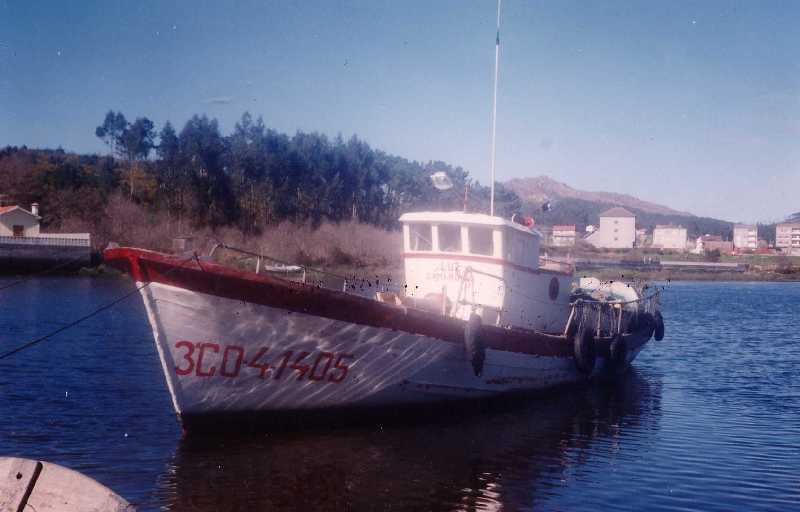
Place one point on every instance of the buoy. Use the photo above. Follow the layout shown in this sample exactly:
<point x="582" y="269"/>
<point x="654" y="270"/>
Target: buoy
<point x="618" y="353"/>
<point x="584" y="351"/>
<point x="658" y="332"/>
<point x="475" y="349"/>
<point x="35" y="485"/>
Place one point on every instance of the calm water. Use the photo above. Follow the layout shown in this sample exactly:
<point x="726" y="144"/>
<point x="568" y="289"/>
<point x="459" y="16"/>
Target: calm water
<point x="708" y="420"/>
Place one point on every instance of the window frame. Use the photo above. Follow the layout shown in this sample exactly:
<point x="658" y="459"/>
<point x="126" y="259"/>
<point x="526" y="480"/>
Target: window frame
<point x="438" y="237"/>
<point x="490" y="230"/>
<point x="411" y="238"/>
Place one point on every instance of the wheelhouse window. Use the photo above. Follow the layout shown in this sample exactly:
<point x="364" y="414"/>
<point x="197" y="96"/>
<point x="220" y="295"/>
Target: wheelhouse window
<point x="19" y="230"/>
<point x="520" y="249"/>
<point x="481" y="241"/>
<point x="449" y="238"/>
<point x="420" y="237"/>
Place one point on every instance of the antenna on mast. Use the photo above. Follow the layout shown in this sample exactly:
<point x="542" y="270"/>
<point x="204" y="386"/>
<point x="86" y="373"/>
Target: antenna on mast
<point x="494" y="105"/>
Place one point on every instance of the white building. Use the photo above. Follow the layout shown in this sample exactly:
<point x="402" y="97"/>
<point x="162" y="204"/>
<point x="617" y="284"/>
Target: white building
<point x="787" y="237"/>
<point x="617" y="230"/>
<point x="669" y="236"/>
<point x="19" y="222"/>
<point x="24" y="247"/>
<point x="745" y="236"/>
<point x="564" y="235"/>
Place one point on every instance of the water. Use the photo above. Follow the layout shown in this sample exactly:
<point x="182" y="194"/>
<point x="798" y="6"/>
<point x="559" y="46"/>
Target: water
<point x="708" y="420"/>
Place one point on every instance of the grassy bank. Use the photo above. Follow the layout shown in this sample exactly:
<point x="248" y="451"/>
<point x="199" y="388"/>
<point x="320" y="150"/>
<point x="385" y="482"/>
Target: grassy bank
<point x="684" y="275"/>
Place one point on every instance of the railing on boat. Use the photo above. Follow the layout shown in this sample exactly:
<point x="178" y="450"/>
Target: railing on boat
<point x="609" y="315"/>
<point x="277" y="266"/>
<point x="614" y="316"/>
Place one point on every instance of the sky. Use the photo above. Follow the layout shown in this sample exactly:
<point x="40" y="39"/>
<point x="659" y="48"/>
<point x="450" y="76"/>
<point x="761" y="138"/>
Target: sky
<point x="695" y="105"/>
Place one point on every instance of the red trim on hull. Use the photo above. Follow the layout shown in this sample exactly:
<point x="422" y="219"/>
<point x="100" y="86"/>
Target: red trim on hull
<point x="214" y="279"/>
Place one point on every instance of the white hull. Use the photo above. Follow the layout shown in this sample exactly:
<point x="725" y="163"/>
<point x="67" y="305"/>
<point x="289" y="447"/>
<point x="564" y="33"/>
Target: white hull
<point x="221" y="355"/>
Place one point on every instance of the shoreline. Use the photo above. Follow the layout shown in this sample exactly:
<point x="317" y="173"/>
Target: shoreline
<point x="370" y="272"/>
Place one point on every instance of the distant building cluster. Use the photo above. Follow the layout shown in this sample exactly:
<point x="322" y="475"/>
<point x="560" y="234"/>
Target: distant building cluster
<point x="617" y="230"/>
<point x="712" y="243"/>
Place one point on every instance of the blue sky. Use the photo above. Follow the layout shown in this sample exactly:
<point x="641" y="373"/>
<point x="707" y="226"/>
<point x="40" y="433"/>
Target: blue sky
<point x="695" y="105"/>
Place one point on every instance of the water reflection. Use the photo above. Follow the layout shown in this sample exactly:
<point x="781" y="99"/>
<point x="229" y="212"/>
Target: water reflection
<point x="514" y="456"/>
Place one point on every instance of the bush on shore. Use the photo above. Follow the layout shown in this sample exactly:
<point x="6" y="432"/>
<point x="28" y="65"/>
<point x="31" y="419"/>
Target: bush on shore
<point x="344" y="245"/>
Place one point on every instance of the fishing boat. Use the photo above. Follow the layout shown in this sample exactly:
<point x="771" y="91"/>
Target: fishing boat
<point x="480" y="314"/>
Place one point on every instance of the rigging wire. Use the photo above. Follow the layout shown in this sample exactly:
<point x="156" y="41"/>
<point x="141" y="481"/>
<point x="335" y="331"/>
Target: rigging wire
<point x="97" y="311"/>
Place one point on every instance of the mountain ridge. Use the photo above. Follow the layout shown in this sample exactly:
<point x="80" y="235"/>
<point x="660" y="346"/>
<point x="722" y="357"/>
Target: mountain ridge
<point x="540" y="189"/>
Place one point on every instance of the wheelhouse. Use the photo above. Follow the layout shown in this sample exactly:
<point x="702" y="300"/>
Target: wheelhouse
<point x="470" y="236"/>
<point x="474" y="263"/>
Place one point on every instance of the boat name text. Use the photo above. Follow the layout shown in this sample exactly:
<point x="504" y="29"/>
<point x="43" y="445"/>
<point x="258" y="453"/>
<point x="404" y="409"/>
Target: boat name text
<point x="206" y="359"/>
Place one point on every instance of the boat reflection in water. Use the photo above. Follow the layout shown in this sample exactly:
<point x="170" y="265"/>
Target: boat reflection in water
<point x="514" y="456"/>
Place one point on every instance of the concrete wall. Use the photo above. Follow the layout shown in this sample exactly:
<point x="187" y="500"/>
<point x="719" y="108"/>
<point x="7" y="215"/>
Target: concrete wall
<point x="614" y="233"/>
<point x="31" y="258"/>
<point x="19" y="218"/>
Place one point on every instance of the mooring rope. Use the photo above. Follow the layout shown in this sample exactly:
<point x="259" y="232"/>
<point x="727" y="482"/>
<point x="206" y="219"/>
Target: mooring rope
<point x="97" y="311"/>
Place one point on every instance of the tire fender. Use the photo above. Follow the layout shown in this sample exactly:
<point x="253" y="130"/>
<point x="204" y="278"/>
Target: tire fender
<point x="584" y="350"/>
<point x="658" y="332"/>
<point x="475" y="349"/>
<point x="618" y="353"/>
<point x="647" y="319"/>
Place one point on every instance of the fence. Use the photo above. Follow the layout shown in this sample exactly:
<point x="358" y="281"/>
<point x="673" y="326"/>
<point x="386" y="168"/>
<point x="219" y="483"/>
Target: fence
<point x="55" y="240"/>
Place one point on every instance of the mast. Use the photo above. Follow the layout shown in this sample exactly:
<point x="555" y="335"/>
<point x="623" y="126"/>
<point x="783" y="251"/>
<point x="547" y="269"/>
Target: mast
<point x="494" y="105"/>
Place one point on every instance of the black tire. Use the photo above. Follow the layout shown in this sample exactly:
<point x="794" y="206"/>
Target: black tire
<point x="647" y="321"/>
<point x="476" y="351"/>
<point x="584" y="350"/>
<point x="618" y="357"/>
<point x="658" y="331"/>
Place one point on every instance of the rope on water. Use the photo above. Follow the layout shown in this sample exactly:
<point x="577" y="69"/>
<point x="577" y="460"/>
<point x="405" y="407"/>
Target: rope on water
<point x="97" y="311"/>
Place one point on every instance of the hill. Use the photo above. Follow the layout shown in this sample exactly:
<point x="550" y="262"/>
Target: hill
<point x="582" y="213"/>
<point x="572" y="206"/>
<point x="543" y="188"/>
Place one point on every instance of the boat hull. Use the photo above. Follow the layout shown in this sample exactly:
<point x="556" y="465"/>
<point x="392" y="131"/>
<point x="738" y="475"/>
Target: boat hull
<point x="233" y="342"/>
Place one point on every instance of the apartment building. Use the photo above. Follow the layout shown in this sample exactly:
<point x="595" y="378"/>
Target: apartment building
<point x="787" y="237"/>
<point x="669" y="236"/>
<point x="745" y="237"/>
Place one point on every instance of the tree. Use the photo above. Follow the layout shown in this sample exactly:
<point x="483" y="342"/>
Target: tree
<point x="111" y="130"/>
<point x="203" y="150"/>
<point x="132" y="141"/>
<point x="171" y="179"/>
